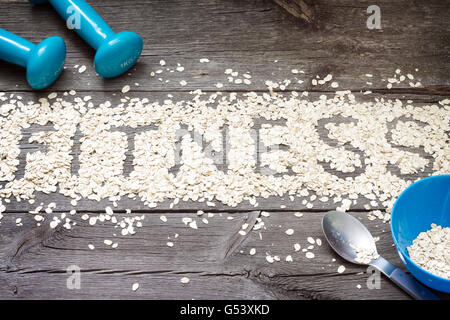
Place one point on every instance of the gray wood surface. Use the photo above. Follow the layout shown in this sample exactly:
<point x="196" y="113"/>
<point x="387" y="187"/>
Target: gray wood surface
<point x="215" y="257"/>
<point x="245" y="36"/>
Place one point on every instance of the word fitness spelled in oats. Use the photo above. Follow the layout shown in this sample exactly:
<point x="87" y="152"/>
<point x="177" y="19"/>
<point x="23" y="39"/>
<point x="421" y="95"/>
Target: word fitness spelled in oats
<point x="226" y="147"/>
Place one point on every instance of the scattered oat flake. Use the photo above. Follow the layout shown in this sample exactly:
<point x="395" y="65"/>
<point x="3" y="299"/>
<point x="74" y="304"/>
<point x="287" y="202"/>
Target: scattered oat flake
<point x="185" y="280"/>
<point x="126" y="88"/>
<point x="289" y="232"/>
<point x="193" y="224"/>
<point x="135" y="286"/>
<point x="54" y="224"/>
<point x="341" y="269"/>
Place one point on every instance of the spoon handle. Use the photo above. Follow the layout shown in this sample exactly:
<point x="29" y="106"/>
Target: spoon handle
<point x="412" y="286"/>
<point x="404" y="281"/>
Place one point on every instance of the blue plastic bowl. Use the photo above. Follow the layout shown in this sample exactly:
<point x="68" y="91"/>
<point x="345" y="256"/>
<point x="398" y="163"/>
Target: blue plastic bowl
<point x="424" y="202"/>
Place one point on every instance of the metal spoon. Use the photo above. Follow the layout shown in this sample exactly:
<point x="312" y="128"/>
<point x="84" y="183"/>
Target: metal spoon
<point x="344" y="232"/>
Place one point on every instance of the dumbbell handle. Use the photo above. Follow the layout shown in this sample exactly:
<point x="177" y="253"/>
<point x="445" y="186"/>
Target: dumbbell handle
<point x="94" y="30"/>
<point x="14" y="49"/>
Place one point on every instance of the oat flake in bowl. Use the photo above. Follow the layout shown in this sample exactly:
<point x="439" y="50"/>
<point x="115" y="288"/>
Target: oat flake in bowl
<point x="431" y="251"/>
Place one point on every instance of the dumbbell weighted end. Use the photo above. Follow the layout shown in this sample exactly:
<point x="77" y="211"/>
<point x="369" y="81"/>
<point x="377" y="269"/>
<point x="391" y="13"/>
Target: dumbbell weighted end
<point x="44" y="62"/>
<point x="116" y="53"/>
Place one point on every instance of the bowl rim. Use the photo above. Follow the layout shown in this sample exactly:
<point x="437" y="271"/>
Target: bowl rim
<point x="397" y="246"/>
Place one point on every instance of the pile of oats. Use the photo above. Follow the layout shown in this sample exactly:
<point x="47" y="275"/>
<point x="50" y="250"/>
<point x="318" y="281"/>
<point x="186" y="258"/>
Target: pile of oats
<point x="379" y="129"/>
<point x="431" y="251"/>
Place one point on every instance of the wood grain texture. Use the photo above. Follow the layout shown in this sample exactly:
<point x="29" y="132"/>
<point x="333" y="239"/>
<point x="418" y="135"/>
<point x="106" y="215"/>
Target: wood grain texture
<point x="247" y="36"/>
<point x="217" y="268"/>
<point x="298" y="8"/>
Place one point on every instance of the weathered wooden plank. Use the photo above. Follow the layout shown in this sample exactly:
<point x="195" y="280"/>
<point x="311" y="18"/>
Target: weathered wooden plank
<point x="247" y="36"/>
<point x="250" y="36"/>
<point x="298" y="8"/>
<point x="349" y="74"/>
<point x="39" y="269"/>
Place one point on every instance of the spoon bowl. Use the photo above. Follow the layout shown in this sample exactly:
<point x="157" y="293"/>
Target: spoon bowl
<point x="343" y="232"/>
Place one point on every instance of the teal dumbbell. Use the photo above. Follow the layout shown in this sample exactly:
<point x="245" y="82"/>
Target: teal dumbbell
<point x="44" y="62"/>
<point x="116" y="53"/>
